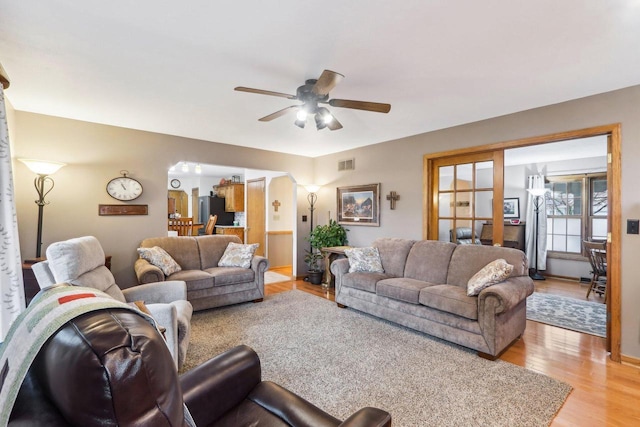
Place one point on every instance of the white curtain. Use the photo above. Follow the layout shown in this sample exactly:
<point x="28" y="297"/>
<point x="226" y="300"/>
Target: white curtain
<point x="12" y="300"/>
<point x="536" y="181"/>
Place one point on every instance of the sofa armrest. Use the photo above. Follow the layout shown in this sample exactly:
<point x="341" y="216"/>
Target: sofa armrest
<point x="508" y="294"/>
<point x="147" y="272"/>
<point x="339" y="268"/>
<point x="166" y="316"/>
<point x="259" y="264"/>
<point x="157" y="293"/>
<point x="216" y="386"/>
<point x="368" y="417"/>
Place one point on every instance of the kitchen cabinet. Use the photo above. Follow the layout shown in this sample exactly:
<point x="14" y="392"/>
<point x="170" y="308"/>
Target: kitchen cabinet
<point x="233" y="196"/>
<point x="231" y="231"/>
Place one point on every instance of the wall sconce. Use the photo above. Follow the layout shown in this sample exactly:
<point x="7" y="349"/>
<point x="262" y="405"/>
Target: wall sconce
<point x="43" y="169"/>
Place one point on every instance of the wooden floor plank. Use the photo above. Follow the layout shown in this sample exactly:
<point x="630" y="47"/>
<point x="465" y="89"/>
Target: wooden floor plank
<point x="605" y="393"/>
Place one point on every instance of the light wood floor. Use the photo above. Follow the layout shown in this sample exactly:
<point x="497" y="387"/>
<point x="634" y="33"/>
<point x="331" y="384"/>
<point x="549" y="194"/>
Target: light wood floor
<point x="605" y="393"/>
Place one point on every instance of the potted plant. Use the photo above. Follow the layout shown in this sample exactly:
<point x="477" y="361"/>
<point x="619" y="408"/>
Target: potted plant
<point x="313" y="259"/>
<point x="326" y="236"/>
<point x="323" y="236"/>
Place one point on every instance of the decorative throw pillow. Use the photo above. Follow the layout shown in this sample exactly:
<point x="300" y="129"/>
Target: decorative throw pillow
<point x="492" y="273"/>
<point x="364" y="260"/>
<point x="160" y="258"/>
<point x="238" y="255"/>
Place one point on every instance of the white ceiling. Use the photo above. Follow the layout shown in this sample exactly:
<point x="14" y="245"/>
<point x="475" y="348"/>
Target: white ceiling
<point x="171" y="67"/>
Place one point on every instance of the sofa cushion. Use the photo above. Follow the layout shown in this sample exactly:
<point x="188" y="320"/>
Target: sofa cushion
<point x="393" y="254"/>
<point x="495" y="272"/>
<point x="429" y="260"/>
<point x="467" y="260"/>
<point x="401" y="288"/>
<point x="238" y="255"/>
<point x="183" y="249"/>
<point x="364" y="259"/>
<point x="195" y="279"/>
<point x="449" y="298"/>
<point x="363" y="281"/>
<point x="212" y="247"/>
<point x="230" y="275"/>
<point x="160" y="258"/>
<point x="80" y="262"/>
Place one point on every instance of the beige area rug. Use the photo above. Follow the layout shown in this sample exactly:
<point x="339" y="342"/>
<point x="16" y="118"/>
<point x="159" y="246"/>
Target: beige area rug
<point x="273" y="277"/>
<point x="342" y="360"/>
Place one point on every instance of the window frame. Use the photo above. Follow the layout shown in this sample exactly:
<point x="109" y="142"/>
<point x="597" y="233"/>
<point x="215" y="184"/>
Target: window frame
<point x="586" y="216"/>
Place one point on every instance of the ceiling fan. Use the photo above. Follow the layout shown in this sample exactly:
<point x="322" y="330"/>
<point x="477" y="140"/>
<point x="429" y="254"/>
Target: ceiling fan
<point x="312" y="93"/>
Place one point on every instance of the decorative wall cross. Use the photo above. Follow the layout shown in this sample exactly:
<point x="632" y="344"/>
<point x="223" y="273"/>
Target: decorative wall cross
<point x="276" y="205"/>
<point x="393" y="197"/>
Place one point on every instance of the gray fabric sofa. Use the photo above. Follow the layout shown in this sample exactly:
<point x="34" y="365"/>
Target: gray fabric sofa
<point x="424" y="287"/>
<point x="208" y="285"/>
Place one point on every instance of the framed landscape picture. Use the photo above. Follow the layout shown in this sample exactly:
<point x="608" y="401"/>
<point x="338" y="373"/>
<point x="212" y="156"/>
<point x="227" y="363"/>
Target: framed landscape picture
<point x="511" y="208"/>
<point x="359" y="205"/>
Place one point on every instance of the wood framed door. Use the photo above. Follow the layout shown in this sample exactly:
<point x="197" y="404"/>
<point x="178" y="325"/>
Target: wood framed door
<point x="466" y="192"/>
<point x="182" y="201"/>
<point x="256" y="213"/>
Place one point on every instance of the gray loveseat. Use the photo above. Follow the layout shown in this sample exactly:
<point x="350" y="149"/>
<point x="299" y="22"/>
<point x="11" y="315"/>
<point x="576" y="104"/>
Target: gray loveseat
<point x="424" y="287"/>
<point x="208" y="285"/>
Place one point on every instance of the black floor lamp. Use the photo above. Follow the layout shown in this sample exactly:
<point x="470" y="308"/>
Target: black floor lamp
<point x="538" y="203"/>
<point x="43" y="169"/>
<point x="312" y="197"/>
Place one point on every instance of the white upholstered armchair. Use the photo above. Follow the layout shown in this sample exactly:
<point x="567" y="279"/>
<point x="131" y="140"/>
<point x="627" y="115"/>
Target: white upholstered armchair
<point x="81" y="262"/>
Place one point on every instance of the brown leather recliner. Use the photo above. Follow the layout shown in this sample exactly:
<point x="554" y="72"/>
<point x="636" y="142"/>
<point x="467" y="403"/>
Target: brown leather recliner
<point x="111" y="367"/>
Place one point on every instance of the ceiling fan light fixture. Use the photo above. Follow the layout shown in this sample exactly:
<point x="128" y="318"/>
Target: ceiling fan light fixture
<point x="301" y="115"/>
<point x="320" y="123"/>
<point x="325" y="115"/>
<point x="300" y="123"/>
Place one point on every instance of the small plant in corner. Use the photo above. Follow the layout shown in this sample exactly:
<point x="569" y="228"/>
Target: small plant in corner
<point x="313" y="260"/>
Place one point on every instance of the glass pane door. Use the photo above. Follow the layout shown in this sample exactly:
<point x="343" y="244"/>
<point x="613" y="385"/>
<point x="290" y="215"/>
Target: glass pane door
<point x="466" y="190"/>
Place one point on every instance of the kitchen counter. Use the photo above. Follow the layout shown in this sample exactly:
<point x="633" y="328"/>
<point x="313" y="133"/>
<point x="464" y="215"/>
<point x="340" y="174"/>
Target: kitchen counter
<point x="237" y="230"/>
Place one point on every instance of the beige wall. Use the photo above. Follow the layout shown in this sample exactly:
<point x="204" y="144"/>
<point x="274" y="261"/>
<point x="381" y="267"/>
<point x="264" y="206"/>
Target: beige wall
<point x="97" y="153"/>
<point x="398" y="166"/>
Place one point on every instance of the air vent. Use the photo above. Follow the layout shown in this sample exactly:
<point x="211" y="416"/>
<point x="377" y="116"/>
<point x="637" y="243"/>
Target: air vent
<point x="346" y="165"/>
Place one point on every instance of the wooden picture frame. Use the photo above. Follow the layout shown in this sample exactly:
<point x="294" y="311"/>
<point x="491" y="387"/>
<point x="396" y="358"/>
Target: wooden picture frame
<point x="106" y="210"/>
<point x="511" y="208"/>
<point x="359" y="205"/>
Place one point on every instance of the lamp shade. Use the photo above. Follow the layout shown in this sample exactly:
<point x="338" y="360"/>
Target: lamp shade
<point x="537" y="192"/>
<point x="311" y="188"/>
<point x="42" y="167"/>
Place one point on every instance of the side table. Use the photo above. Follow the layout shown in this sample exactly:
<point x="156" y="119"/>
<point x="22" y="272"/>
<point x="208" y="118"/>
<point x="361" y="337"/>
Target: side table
<point x="331" y="254"/>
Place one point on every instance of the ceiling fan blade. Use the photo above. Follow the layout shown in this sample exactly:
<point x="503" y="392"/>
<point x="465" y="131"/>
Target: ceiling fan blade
<point x="361" y="105"/>
<point x="327" y="81"/>
<point x="278" y="113"/>
<point x="334" y="124"/>
<point x="264" y="92"/>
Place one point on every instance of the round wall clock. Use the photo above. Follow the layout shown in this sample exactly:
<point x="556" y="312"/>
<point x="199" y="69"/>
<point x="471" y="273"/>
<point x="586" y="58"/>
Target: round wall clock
<point x="124" y="188"/>
<point x="175" y="183"/>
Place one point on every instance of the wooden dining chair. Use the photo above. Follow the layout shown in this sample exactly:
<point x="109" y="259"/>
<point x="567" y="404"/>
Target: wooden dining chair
<point x="184" y="226"/>
<point x="211" y="224"/>
<point x="597" y="254"/>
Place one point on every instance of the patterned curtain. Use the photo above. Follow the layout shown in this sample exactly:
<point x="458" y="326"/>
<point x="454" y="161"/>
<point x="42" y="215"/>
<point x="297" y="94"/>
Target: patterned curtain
<point x="12" y="300"/>
<point x="536" y="181"/>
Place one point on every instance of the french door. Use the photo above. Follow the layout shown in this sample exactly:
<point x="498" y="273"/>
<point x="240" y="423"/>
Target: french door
<point x="466" y="193"/>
